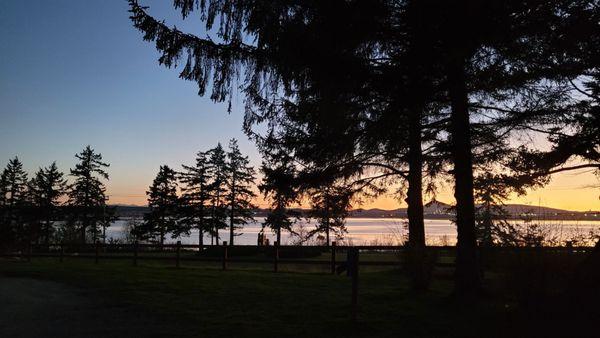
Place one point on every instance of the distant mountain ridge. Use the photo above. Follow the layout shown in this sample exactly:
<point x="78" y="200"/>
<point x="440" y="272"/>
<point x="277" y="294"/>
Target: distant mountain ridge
<point x="432" y="210"/>
<point x="440" y="210"/>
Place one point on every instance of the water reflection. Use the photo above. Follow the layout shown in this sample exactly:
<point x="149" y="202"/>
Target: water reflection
<point x="368" y="231"/>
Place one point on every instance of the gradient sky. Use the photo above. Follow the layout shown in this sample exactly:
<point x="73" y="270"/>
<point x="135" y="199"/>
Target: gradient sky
<point x="74" y="73"/>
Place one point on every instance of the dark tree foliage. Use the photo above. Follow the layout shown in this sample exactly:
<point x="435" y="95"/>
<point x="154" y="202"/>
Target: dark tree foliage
<point x="13" y="199"/>
<point x="330" y="206"/>
<point x="279" y="186"/>
<point x="326" y="84"/>
<point x="493" y="54"/>
<point x="196" y="196"/>
<point x="46" y="189"/>
<point x="462" y="76"/>
<point x="163" y="203"/>
<point x="87" y="195"/>
<point x="108" y="217"/>
<point x="490" y="194"/>
<point x="217" y="218"/>
<point x="570" y="125"/>
<point x="240" y="180"/>
<point x="574" y="140"/>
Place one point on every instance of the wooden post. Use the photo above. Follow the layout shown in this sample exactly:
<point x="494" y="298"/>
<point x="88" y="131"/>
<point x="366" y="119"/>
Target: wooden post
<point x="62" y="252"/>
<point x="353" y="271"/>
<point x="333" y="244"/>
<point x="178" y="254"/>
<point x="225" y="255"/>
<point x="97" y="250"/>
<point x="135" y="253"/>
<point x="276" y="258"/>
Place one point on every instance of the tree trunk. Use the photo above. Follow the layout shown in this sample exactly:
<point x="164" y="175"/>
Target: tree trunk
<point x="327" y="232"/>
<point x="414" y="199"/>
<point x="231" y="235"/>
<point x="231" y="219"/>
<point x="467" y="271"/>
<point x="200" y="238"/>
<point x="279" y="234"/>
<point x="201" y="228"/>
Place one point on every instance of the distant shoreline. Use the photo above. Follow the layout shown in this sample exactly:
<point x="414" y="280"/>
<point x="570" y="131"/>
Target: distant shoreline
<point x="436" y="211"/>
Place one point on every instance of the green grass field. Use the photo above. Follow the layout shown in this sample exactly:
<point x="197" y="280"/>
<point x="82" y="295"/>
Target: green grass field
<point x="157" y="298"/>
<point x="207" y="302"/>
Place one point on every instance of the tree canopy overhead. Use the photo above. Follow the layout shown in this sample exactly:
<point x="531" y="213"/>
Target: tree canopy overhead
<point x="370" y="91"/>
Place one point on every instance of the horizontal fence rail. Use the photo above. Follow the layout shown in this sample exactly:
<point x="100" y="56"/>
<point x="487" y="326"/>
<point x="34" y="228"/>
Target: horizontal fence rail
<point x="274" y="254"/>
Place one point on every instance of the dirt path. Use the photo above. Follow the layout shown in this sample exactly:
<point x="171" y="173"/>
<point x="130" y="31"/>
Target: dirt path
<point x="37" y="308"/>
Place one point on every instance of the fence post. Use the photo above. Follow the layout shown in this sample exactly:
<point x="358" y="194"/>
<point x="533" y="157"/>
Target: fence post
<point x="62" y="252"/>
<point x="225" y="255"/>
<point x="135" y="253"/>
<point x="97" y="250"/>
<point x="276" y="257"/>
<point x="178" y="254"/>
<point x="333" y="244"/>
<point x="353" y="271"/>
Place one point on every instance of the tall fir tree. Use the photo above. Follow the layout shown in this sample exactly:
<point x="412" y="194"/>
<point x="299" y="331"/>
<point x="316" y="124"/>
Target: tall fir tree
<point x="218" y="187"/>
<point x="163" y="203"/>
<point x="347" y="97"/>
<point x="330" y="206"/>
<point x="196" y="196"/>
<point x="14" y="198"/>
<point x="279" y="185"/>
<point x="240" y="179"/>
<point x="46" y="189"/>
<point x="472" y="52"/>
<point x="87" y="195"/>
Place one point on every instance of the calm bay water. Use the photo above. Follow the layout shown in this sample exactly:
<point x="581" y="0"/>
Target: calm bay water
<point x="373" y="231"/>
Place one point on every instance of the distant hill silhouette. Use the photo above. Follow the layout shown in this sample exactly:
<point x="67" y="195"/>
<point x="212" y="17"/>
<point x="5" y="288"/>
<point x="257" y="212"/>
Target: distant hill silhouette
<point x="432" y="210"/>
<point x="440" y="210"/>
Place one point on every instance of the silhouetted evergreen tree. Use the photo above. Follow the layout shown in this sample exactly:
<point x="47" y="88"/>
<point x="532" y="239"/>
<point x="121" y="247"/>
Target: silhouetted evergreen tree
<point x="329" y="83"/>
<point x="108" y="217"/>
<point x="508" y="52"/>
<point x="218" y="204"/>
<point x="469" y="58"/>
<point x="279" y="185"/>
<point x="14" y="200"/>
<point x="87" y="195"/>
<point x="330" y="206"/>
<point x="240" y="179"/>
<point x="46" y="189"/>
<point x="196" y="195"/>
<point x="163" y="204"/>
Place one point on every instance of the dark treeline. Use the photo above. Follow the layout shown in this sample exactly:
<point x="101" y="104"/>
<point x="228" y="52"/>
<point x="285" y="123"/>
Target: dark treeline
<point x="47" y="208"/>
<point x="360" y="97"/>
<point x="217" y="194"/>
<point x="213" y="195"/>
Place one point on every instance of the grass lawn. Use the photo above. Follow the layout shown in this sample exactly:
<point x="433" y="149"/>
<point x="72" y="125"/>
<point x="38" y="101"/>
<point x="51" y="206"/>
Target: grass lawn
<point x="199" y="301"/>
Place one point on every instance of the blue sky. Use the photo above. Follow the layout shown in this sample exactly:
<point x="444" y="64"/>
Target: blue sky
<point x="74" y="73"/>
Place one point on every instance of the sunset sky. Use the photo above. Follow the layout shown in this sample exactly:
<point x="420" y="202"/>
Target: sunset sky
<point x="74" y="73"/>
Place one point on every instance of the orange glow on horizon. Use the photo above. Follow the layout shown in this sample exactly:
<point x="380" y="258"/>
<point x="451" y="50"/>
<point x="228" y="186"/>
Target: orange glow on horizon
<point x="576" y="191"/>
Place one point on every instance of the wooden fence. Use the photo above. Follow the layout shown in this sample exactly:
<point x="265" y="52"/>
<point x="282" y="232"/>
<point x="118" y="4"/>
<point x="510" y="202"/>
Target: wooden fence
<point x="223" y="253"/>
